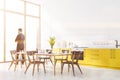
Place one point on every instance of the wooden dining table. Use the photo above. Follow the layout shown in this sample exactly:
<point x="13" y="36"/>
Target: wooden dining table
<point x="54" y="55"/>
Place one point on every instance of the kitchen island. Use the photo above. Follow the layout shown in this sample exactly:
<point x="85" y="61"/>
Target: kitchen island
<point x="103" y="57"/>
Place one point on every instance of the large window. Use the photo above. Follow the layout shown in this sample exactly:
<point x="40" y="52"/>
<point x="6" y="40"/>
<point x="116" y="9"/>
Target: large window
<point x="13" y="22"/>
<point x="1" y="4"/>
<point x="31" y="29"/>
<point x="34" y="11"/>
<point x="15" y="5"/>
<point x="18" y="14"/>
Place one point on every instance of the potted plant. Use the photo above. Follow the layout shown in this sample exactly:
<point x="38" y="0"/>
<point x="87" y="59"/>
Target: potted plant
<point x="52" y="42"/>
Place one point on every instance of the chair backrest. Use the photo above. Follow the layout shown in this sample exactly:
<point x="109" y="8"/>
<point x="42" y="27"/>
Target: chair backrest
<point x="76" y="55"/>
<point x="30" y="55"/>
<point x="65" y="51"/>
<point x="12" y="52"/>
<point x="49" y="51"/>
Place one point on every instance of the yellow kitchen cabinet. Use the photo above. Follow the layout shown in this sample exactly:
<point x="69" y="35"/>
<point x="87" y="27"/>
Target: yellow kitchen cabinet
<point x="115" y="58"/>
<point x="105" y="57"/>
<point x="93" y="56"/>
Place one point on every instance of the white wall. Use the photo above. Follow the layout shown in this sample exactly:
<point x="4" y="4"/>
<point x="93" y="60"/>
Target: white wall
<point x="80" y="20"/>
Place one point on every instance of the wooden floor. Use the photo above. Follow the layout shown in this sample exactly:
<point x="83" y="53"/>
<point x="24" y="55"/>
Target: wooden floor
<point x="90" y="73"/>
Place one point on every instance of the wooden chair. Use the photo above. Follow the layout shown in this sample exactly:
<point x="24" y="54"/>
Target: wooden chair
<point x="75" y="56"/>
<point x="15" y="60"/>
<point x="62" y="57"/>
<point x="32" y="60"/>
<point x="45" y="58"/>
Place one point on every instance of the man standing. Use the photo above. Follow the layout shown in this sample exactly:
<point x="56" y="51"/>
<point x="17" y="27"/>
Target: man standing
<point x="20" y="43"/>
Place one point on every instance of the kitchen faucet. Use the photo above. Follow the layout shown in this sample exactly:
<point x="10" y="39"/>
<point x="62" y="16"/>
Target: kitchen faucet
<point x="116" y="41"/>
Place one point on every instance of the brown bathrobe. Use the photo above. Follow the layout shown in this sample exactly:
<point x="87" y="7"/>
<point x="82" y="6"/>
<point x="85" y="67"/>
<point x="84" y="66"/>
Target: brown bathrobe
<point x="20" y="44"/>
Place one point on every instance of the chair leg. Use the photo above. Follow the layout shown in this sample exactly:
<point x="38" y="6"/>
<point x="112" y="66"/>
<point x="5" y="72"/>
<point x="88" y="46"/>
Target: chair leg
<point x="33" y="69"/>
<point x="15" y="66"/>
<point x="55" y="66"/>
<point x="27" y="68"/>
<point x="68" y="67"/>
<point x="62" y="65"/>
<point x="25" y="64"/>
<point x="51" y="61"/>
<point x="10" y="65"/>
<point x="73" y="69"/>
<point x="44" y="67"/>
<point x="55" y="62"/>
<point x="79" y="68"/>
<point x="21" y="64"/>
<point x="38" y="67"/>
